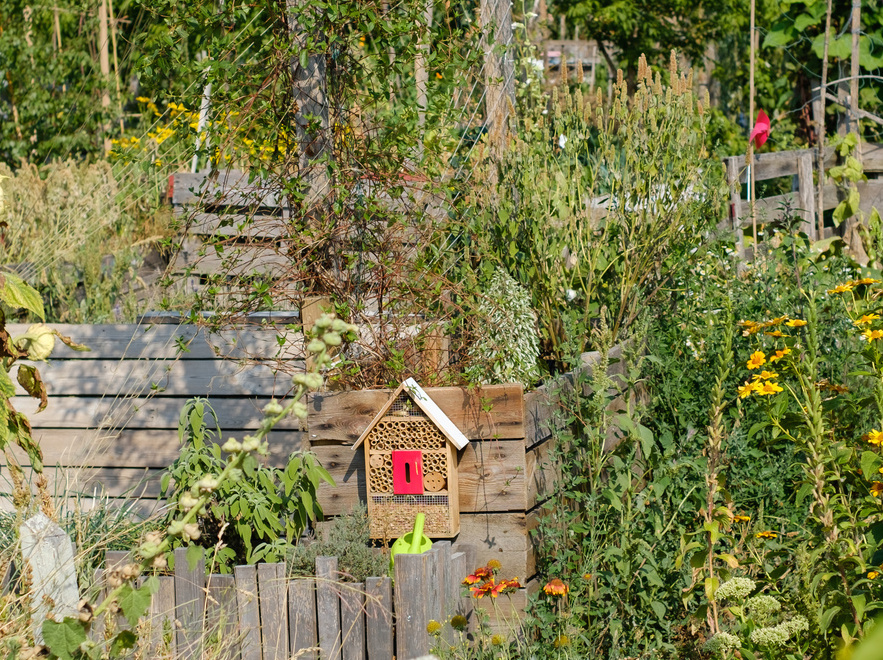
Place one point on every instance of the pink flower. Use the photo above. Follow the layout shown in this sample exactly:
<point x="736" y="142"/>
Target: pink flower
<point x="761" y="130"/>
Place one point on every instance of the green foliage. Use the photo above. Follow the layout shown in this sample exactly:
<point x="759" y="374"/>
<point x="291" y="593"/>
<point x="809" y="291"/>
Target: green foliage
<point x="507" y="348"/>
<point x="254" y="518"/>
<point x="346" y="537"/>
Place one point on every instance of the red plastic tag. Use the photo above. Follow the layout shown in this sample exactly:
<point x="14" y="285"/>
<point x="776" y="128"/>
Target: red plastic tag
<point x="407" y="472"/>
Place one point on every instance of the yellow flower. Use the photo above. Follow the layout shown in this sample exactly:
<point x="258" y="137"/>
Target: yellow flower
<point x="776" y="321"/>
<point x="459" y="622"/>
<point x="765" y="375"/>
<point x="746" y="389"/>
<point x="494" y="565"/>
<point x="796" y="323"/>
<point x="871" y="335"/>
<point x="556" y="588"/>
<point x="877" y="488"/>
<point x="780" y="354"/>
<point x="842" y="288"/>
<point x="496" y="640"/>
<point x="142" y="99"/>
<point x="866" y="319"/>
<point x="758" y="359"/>
<point x="775" y="333"/>
<point x="433" y="626"/>
<point x="872" y="574"/>
<point x="766" y="535"/>
<point x="741" y="519"/>
<point x="562" y="640"/>
<point x="768" y="388"/>
<point x="874" y="436"/>
<point x="864" y="280"/>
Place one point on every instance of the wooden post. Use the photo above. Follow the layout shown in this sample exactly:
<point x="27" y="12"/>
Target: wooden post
<point x="116" y="62"/>
<point x="104" y="63"/>
<point x="247" y="603"/>
<point x="379" y="618"/>
<point x="162" y="619"/>
<point x="189" y="603"/>
<point x="273" y="596"/>
<point x="420" y="73"/>
<point x="220" y="615"/>
<point x="499" y="69"/>
<point x="310" y="99"/>
<point x="302" y="618"/>
<point x="411" y="580"/>
<point x="854" y="72"/>
<point x="750" y="143"/>
<point x="352" y="622"/>
<point x="806" y="193"/>
<point x="328" y="607"/>
<point x="821" y="125"/>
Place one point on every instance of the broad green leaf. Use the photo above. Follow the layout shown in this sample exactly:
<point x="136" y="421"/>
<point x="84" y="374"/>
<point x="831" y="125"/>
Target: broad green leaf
<point x="870" y="463"/>
<point x="194" y="554"/>
<point x="7" y="387"/>
<point x="134" y="602"/>
<point x="732" y="562"/>
<point x="18" y="294"/>
<point x="64" y="638"/>
<point x="711" y="585"/>
<point x="827" y="617"/>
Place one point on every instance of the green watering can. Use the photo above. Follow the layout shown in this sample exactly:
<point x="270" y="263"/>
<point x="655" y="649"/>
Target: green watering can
<point x="412" y="543"/>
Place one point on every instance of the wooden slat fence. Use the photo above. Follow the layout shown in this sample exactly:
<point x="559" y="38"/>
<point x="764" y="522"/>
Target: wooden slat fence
<point x="259" y="613"/>
<point x="801" y="166"/>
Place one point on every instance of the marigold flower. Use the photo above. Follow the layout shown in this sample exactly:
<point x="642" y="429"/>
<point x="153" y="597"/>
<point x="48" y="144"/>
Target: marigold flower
<point x="866" y="319"/>
<point x="877" y="488"/>
<point x="780" y="354"/>
<point x="775" y="333"/>
<point x="765" y="375"/>
<point x="758" y="359"/>
<point x="872" y="574"/>
<point x="842" y="288"/>
<point x="556" y="588"/>
<point x="746" y="389"/>
<point x="873" y="436"/>
<point x="766" y="535"/>
<point x="768" y="388"/>
<point x="741" y="519"/>
<point x="796" y="323"/>
<point x="871" y="335"/>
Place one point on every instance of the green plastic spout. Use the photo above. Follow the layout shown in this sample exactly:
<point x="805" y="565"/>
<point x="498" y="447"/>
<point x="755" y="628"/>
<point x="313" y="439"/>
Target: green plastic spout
<point x="417" y="534"/>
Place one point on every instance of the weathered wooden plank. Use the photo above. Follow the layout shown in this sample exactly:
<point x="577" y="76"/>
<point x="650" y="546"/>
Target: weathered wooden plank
<point x="501" y="536"/>
<point x="807" y="193"/>
<point x="411" y="575"/>
<point x="352" y="621"/>
<point x="80" y="412"/>
<point x="161" y="617"/>
<point x="462" y="564"/>
<point x="491" y="477"/>
<point x="540" y="473"/>
<point x="251" y="226"/>
<point x="494" y="411"/>
<point x="221" y="615"/>
<point x="303" y="635"/>
<point x="186" y="342"/>
<point x="379" y="618"/>
<point x="230" y="188"/>
<point x="328" y="607"/>
<point x="436" y="578"/>
<point x="246" y="578"/>
<point x="189" y="603"/>
<point x="117" y="482"/>
<point x="171" y="377"/>
<point x="234" y="260"/>
<point x="446" y="578"/>
<point x="273" y="594"/>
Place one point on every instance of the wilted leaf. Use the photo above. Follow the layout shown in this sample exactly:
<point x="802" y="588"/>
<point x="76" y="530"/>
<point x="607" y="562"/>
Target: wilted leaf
<point x="29" y="378"/>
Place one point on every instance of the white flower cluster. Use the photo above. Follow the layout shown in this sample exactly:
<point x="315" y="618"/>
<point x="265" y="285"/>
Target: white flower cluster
<point x="735" y="589"/>
<point x="760" y="607"/>
<point x="721" y="643"/>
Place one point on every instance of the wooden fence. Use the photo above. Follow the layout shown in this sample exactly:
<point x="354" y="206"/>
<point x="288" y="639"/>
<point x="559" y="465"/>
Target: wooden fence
<point x="801" y="166"/>
<point x="258" y="613"/>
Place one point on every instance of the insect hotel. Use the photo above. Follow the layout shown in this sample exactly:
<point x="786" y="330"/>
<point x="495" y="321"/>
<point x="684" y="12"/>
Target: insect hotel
<point x="411" y="462"/>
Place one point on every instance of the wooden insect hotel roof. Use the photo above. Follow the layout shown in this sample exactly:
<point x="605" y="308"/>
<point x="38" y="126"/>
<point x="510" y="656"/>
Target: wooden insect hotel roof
<point x="410" y="389"/>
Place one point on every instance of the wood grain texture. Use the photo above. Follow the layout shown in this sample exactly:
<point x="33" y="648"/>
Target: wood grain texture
<point x="234" y="225"/>
<point x="154" y="413"/>
<point x="328" y="607"/>
<point x="302" y="629"/>
<point x="379" y="618"/>
<point x="161" y="617"/>
<point x="189" y="604"/>
<point x="462" y="564"/>
<point x="230" y="188"/>
<point x="170" y="377"/>
<point x="501" y="536"/>
<point x="411" y="575"/>
<point x="541" y="474"/>
<point x="221" y="614"/>
<point x="494" y="411"/>
<point x="273" y="596"/>
<point x="352" y="621"/>
<point x="195" y="257"/>
<point x="246" y="578"/>
<point x="185" y="342"/>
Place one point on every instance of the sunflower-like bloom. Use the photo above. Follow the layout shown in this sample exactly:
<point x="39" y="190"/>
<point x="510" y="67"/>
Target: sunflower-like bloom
<point x="556" y="588"/>
<point x="796" y="323"/>
<point x="757" y="360"/>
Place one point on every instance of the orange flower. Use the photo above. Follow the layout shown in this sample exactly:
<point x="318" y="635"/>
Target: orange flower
<point x="877" y="488"/>
<point x="484" y="589"/>
<point x="480" y="574"/>
<point x="505" y="587"/>
<point x="780" y="354"/>
<point x="556" y="588"/>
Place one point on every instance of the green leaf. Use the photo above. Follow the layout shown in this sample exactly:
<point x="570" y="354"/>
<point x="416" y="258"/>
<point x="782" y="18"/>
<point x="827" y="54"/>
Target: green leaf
<point x="711" y="585"/>
<point x="827" y="617"/>
<point x="804" y="21"/>
<point x="64" y="639"/>
<point x="124" y="640"/>
<point x="18" y="294"/>
<point x="7" y="387"/>
<point x="870" y="463"/>
<point x="134" y="602"/>
<point x="194" y="554"/>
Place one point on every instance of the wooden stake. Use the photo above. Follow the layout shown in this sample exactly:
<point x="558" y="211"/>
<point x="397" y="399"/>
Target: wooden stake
<point x="854" y="72"/>
<point x="57" y="30"/>
<point x="496" y="26"/>
<point x="421" y="75"/>
<point x="750" y="143"/>
<point x="116" y="63"/>
<point x="104" y="62"/>
<point x="821" y="124"/>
